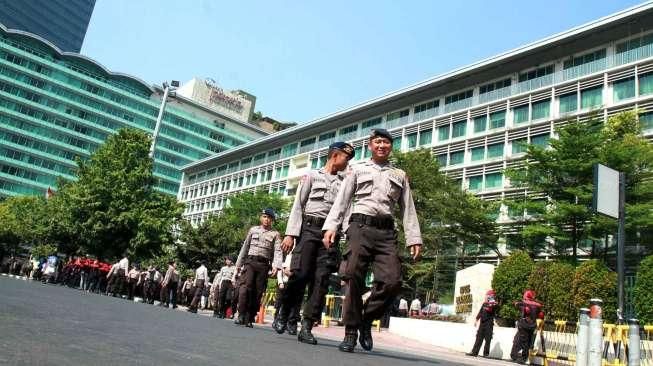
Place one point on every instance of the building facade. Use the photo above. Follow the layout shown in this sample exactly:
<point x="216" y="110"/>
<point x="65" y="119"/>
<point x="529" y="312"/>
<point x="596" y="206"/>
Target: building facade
<point x="476" y="120"/>
<point x="62" y="22"/>
<point x="56" y="107"/>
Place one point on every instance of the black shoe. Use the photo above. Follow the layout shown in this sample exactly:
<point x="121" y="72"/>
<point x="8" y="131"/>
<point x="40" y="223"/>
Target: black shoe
<point x="365" y="336"/>
<point x="305" y="335"/>
<point x="249" y="325"/>
<point x="279" y="326"/>
<point x="240" y="320"/>
<point x="194" y="311"/>
<point x="292" y="329"/>
<point x="471" y="354"/>
<point x="349" y="343"/>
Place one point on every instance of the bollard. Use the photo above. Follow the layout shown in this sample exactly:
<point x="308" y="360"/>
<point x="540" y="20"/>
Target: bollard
<point x="582" y="342"/>
<point x="595" y="342"/>
<point x="633" y="343"/>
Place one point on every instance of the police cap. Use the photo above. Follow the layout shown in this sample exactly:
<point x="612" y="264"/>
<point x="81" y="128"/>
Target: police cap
<point x="381" y="132"/>
<point x="344" y="147"/>
<point x="270" y="212"/>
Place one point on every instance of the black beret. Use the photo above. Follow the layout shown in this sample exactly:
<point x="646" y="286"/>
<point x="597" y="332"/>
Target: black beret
<point x="270" y="212"/>
<point x="381" y="132"/>
<point x="344" y="147"/>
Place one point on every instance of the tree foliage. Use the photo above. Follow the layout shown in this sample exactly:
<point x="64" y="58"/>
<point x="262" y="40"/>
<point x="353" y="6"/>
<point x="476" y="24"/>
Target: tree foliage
<point x="21" y="223"/>
<point x="510" y="281"/>
<point x="593" y="279"/>
<point x="551" y="282"/>
<point x="642" y="293"/>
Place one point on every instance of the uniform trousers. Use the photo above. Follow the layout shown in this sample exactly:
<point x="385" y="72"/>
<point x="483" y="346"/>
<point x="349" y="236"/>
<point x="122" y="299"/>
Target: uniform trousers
<point x="199" y="287"/>
<point x="221" y="296"/>
<point x="369" y="246"/>
<point x="521" y="344"/>
<point x="253" y="282"/>
<point x="484" y="333"/>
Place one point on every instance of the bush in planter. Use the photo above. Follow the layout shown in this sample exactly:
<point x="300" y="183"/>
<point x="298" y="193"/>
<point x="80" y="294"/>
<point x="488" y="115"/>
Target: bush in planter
<point x="558" y="305"/>
<point x="643" y="291"/>
<point x="593" y="279"/>
<point x="509" y="282"/>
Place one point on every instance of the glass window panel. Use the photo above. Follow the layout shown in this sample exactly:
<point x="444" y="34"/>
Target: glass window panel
<point x="540" y="140"/>
<point x="623" y="89"/>
<point x="480" y="124"/>
<point x="443" y="133"/>
<point x="568" y="103"/>
<point x="476" y="183"/>
<point x="497" y="119"/>
<point x="646" y="121"/>
<point x="520" y="114"/>
<point x="495" y="150"/>
<point x="519" y="146"/>
<point x="396" y="143"/>
<point x="412" y="140"/>
<point x="591" y="98"/>
<point x="456" y="157"/>
<point x="458" y="129"/>
<point x="494" y="180"/>
<point x="442" y="160"/>
<point x="358" y="153"/>
<point x="425" y="137"/>
<point x="478" y="153"/>
<point x="541" y="109"/>
<point x="646" y="84"/>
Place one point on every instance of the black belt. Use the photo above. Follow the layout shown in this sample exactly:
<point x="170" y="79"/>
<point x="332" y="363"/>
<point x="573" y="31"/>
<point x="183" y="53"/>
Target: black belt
<point x="314" y="220"/>
<point x="380" y="222"/>
<point x="258" y="258"/>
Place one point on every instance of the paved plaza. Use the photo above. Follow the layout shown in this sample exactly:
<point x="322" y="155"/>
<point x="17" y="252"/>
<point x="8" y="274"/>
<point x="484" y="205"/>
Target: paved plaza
<point x="50" y="324"/>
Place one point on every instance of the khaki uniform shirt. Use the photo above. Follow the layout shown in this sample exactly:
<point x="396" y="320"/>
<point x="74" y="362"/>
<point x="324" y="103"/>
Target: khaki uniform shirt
<point x="374" y="190"/>
<point x="264" y="243"/>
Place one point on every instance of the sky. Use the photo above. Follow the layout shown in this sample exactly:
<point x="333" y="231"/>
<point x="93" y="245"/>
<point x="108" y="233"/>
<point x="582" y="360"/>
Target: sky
<point x="306" y="59"/>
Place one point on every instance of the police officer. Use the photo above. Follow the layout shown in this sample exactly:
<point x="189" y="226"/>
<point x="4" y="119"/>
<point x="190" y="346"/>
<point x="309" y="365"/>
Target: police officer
<point x="201" y="277"/>
<point x="222" y="286"/>
<point x="312" y="262"/>
<point x="530" y="310"/>
<point x="486" y="318"/>
<point x="260" y="253"/>
<point x="377" y="187"/>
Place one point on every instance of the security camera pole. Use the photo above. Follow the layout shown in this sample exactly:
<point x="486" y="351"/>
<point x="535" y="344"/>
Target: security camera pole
<point x="166" y="90"/>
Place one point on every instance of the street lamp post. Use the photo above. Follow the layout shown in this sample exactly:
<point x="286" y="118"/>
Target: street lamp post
<point x="167" y="89"/>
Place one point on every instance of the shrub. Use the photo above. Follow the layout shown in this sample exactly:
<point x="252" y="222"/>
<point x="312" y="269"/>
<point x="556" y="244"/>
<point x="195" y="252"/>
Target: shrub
<point x="593" y="279"/>
<point x="558" y="305"/>
<point x="643" y="291"/>
<point x="509" y="282"/>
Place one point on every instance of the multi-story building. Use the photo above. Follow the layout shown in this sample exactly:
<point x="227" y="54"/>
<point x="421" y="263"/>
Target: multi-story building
<point x="55" y="107"/>
<point x="62" y="22"/>
<point x="475" y="119"/>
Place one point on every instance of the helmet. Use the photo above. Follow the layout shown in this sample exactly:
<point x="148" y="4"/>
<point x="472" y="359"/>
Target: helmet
<point x="529" y="295"/>
<point x="490" y="296"/>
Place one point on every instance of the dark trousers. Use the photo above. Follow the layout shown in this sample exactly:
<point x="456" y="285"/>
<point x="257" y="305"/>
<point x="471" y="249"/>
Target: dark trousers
<point x="170" y="295"/>
<point x="484" y="333"/>
<point x="131" y="288"/>
<point x="253" y="282"/>
<point x="370" y="246"/>
<point x="149" y="288"/>
<point x="220" y="301"/>
<point x="521" y="344"/>
<point x="117" y="282"/>
<point x="311" y="265"/>
<point x="199" y="287"/>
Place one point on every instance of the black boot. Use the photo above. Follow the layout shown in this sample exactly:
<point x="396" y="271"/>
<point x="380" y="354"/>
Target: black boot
<point x="349" y="343"/>
<point x="365" y="336"/>
<point x="240" y="320"/>
<point x="292" y="328"/>
<point x="281" y="323"/>
<point x="305" y="335"/>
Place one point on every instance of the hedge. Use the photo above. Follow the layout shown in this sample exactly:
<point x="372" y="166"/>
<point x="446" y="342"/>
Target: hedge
<point x="509" y="282"/>
<point x="643" y="291"/>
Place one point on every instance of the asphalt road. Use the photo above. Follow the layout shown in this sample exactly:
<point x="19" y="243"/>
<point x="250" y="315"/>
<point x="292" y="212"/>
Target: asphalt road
<point x="48" y="325"/>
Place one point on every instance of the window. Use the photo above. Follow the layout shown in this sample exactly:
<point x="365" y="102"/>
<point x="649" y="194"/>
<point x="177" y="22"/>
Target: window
<point x="396" y="143"/>
<point x="425" y="137"/>
<point x="442" y="160"/>
<point x="459" y="129"/>
<point x="284" y="171"/>
<point x="494" y="86"/>
<point x="327" y="136"/>
<point x="371" y="123"/>
<point x="646" y="84"/>
<point x="480" y="124"/>
<point x="540" y="140"/>
<point x="307" y="142"/>
<point x="495" y="150"/>
<point x="367" y="153"/>
<point x="426" y="106"/>
<point x="584" y="59"/>
<point x="541" y="109"/>
<point x="635" y="43"/>
<point x="478" y="153"/>
<point x="591" y="98"/>
<point x="623" y="89"/>
<point x="314" y="163"/>
<point x="458" y="97"/>
<point x="520" y="114"/>
<point x="476" y="183"/>
<point x="443" y="133"/>
<point x="396" y="115"/>
<point x="412" y="140"/>
<point x="289" y="150"/>
<point x="456" y="157"/>
<point x="497" y="119"/>
<point x="349" y="129"/>
<point x="519" y="146"/>
<point x="646" y="121"/>
<point x="494" y="180"/>
<point x="358" y="153"/>
<point x="533" y="74"/>
<point x="568" y="103"/>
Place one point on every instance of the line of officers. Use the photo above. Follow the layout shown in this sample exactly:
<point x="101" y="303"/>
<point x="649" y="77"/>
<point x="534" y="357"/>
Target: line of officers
<point x="359" y="201"/>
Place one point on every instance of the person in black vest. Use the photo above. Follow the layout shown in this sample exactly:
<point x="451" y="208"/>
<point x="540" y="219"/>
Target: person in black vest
<point x="530" y="310"/>
<point x="486" y="318"/>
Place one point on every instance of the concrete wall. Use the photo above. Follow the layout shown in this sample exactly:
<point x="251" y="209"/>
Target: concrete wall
<point x="479" y="279"/>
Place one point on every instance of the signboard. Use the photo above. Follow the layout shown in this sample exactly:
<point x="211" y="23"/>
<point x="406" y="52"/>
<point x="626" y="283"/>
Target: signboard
<point x="606" y="191"/>
<point x="218" y="96"/>
<point x="465" y="300"/>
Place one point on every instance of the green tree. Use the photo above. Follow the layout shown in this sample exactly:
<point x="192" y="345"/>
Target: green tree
<point x="593" y="279"/>
<point x="551" y="282"/>
<point x="114" y="206"/>
<point x="222" y="235"/>
<point x="510" y="281"/>
<point x="451" y="220"/>
<point x="642" y="294"/>
<point x="22" y="223"/>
